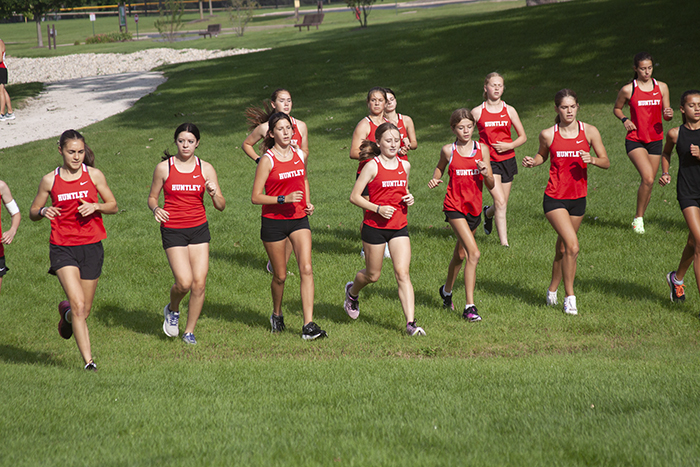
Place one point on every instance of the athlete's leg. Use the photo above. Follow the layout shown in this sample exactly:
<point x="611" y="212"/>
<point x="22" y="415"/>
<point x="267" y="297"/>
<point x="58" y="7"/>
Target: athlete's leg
<point x="692" y="217"/>
<point x="80" y="294"/>
<point x="374" y="256"/>
<point x="466" y="238"/>
<point x="400" y="250"/>
<point x="500" y="194"/>
<point x="647" y="165"/>
<point x="566" y="250"/>
<point x="458" y="256"/>
<point x="276" y="252"/>
<point x="8" y="101"/>
<point x="199" y="264"/>
<point x="2" y="99"/>
<point x="179" y="260"/>
<point x="301" y="241"/>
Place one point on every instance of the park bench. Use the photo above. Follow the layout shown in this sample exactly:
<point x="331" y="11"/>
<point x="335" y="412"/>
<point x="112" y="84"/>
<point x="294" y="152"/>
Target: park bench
<point x="311" y="20"/>
<point x="214" y="29"/>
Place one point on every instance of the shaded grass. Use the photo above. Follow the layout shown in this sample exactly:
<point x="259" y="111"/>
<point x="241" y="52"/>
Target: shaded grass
<point x="19" y="93"/>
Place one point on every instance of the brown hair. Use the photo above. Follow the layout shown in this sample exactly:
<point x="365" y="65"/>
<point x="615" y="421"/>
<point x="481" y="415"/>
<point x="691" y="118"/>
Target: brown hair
<point x="684" y="99"/>
<point x="493" y="74"/>
<point x="269" y="141"/>
<point x="459" y="115"/>
<point x="640" y="57"/>
<point x="258" y="115"/>
<point x="370" y="149"/>
<point x="67" y="135"/>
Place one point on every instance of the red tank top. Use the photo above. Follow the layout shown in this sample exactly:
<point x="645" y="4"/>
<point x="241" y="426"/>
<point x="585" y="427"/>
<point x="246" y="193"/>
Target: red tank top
<point x="645" y="112"/>
<point x="2" y="247"/>
<point x="494" y="127"/>
<point x="568" y="177"/>
<point x="387" y="188"/>
<point x="70" y="228"/>
<point x="404" y="134"/>
<point x="285" y="178"/>
<point x="184" y="197"/>
<point x="2" y="62"/>
<point x="296" y="137"/>
<point x="370" y="137"/>
<point x="466" y="182"/>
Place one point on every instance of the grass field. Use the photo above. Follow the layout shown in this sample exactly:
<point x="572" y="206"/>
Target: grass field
<point x="616" y="385"/>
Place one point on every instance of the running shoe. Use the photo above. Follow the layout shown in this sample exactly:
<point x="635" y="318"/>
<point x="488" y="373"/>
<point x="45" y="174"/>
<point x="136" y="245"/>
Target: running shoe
<point x="446" y="299"/>
<point x="91" y="367"/>
<point x="65" y="329"/>
<point x="311" y="331"/>
<point x="677" y="290"/>
<point x="488" y="222"/>
<point x="570" y="305"/>
<point x="351" y="305"/>
<point x="188" y="338"/>
<point x="362" y="253"/>
<point x="413" y="330"/>
<point x="471" y="314"/>
<point x="10" y="116"/>
<point x="638" y="225"/>
<point x="552" y="298"/>
<point x="2" y="118"/>
<point x="277" y="323"/>
<point x="269" y="267"/>
<point x="170" y="327"/>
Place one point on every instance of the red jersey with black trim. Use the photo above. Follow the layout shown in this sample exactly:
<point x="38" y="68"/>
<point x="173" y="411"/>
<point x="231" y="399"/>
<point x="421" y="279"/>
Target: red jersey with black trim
<point x="495" y="127"/>
<point x="2" y="247"/>
<point x="646" y="109"/>
<point x="285" y="178"/>
<point x="70" y="228"/>
<point x="568" y="176"/>
<point x="466" y="182"/>
<point x="296" y="137"/>
<point x="370" y="137"/>
<point x="184" y="197"/>
<point x="386" y="189"/>
<point x="404" y="134"/>
<point x="2" y="61"/>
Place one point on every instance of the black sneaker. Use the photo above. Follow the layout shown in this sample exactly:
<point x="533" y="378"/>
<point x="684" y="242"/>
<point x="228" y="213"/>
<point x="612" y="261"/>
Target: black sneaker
<point x="677" y="291"/>
<point x="277" y="323"/>
<point x="91" y="367"/>
<point x="446" y="299"/>
<point x="311" y="331"/>
<point x="488" y="222"/>
<point x="65" y="329"/>
<point x="471" y="314"/>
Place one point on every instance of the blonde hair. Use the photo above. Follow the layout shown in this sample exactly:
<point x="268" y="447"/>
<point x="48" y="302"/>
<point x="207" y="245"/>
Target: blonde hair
<point x="493" y="74"/>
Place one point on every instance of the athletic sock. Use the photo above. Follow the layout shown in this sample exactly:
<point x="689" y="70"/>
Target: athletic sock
<point x="675" y="280"/>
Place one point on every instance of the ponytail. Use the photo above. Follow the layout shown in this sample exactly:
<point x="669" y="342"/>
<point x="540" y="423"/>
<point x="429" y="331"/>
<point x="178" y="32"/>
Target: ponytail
<point x="559" y="97"/>
<point x="640" y="57"/>
<point x="368" y="150"/>
<point x="255" y="116"/>
<point x="189" y="128"/>
<point x="269" y="139"/>
<point x="67" y="135"/>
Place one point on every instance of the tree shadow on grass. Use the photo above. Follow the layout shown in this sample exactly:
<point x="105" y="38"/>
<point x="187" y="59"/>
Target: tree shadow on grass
<point x="234" y="313"/>
<point x="526" y="295"/>
<point x="12" y="354"/>
<point x="624" y="289"/>
<point x="141" y="321"/>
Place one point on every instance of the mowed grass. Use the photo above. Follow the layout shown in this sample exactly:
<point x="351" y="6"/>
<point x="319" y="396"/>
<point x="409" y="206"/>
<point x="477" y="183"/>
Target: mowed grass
<point x="616" y="385"/>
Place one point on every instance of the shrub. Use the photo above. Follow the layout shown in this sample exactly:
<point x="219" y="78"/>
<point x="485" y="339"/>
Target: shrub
<point x="111" y="37"/>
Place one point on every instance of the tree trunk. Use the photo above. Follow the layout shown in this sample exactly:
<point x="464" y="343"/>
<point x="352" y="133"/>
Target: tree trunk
<point x="201" y="10"/>
<point x="39" y="38"/>
<point x="211" y="10"/>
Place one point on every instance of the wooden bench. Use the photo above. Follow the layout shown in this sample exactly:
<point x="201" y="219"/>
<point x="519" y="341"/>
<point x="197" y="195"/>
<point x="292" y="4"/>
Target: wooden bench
<point x="311" y="20"/>
<point x="214" y="29"/>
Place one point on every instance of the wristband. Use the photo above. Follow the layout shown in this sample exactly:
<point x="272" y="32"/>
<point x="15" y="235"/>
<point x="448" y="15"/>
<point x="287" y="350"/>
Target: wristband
<point x="378" y="206"/>
<point x="42" y="211"/>
<point x="624" y="119"/>
<point x="154" y="210"/>
<point x="257" y="161"/>
<point x="12" y="207"/>
<point x="280" y="199"/>
<point x="665" y="173"/>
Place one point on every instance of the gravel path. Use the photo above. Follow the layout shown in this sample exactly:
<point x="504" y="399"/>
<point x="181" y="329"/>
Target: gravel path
<point x="87" y="88"/>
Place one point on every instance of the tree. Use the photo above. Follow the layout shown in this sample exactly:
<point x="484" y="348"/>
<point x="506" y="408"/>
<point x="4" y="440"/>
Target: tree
<point x="365" y="6"/>
<point x="170" y="19"/>
<point x="36" y="9"/>
<point x="241" y="13"/>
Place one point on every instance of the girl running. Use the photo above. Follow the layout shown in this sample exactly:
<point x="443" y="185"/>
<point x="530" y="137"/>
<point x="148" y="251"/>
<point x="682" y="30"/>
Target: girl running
<point x="469" y="169"/>
<point x="686" y="139"/>
<point x="494" y="120"/>
<point x="386" y="178"/>
<point x="403" y="122"/>
<point x="8" y="235"/>
<point x="569" y="143"/>
<point x="280" y="101"/>
<point x="77" y="232"/>
<point x="648" y="101"/>
<point x="281" y="187"/>
<point x="184" y="178"/>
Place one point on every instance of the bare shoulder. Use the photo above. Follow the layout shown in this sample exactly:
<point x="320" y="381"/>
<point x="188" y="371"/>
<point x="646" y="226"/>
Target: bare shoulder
<point x="406" y="164"/>
<point x="476" y="112"/>
<point x="673" y="134"/>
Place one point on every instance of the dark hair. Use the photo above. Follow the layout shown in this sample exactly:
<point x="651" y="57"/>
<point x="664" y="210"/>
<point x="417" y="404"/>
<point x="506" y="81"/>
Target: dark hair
<point x="269" y="141"/>
<point x="459" y="115"/>
<point x="370" y="149"/>
<point x="189" y="128"/>
<point x="389" y="91"/>
<point x="493" y="74"/>
<point x="258" y="115"/>
<point x="684" y="99"/>
<point x="378" y="89"/>
<point x="68" y="135"/>
<point x="640" y="57"/>
<point x="559" y="97"/>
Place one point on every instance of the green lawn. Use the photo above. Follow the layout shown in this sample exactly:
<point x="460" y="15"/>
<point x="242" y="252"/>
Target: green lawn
<point x="616" y="385"/>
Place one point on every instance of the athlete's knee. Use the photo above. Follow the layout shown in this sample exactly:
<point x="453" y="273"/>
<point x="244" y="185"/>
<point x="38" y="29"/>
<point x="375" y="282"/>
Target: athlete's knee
<point x="279" y="278"/>
<point x="402" y="276"/>
<point x="372" y="277"/>
<point x="648" y="181"/>
<point x="474" y="256"/>
<point x="198" y="286"/>
<point x="306" y="269"/>
<point x="572" y="249"/>
<point x="182" y="286"/>
<point x="78" y="309"/>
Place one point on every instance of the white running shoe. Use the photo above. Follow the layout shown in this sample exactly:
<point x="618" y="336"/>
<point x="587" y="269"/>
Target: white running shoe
<point x="638" y="225"/>
<point x="551" y="298"/>
<point x="170" y="327"/>
<point x="570" y="305"/>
